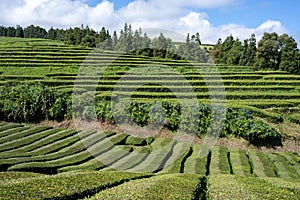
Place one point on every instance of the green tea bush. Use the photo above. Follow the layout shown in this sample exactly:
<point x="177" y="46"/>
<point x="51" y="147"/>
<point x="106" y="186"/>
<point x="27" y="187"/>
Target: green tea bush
<point x="32" y="103"/>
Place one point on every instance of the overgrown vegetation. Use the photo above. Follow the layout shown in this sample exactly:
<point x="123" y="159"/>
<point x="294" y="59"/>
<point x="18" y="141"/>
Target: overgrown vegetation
<point x="33" y="103"/>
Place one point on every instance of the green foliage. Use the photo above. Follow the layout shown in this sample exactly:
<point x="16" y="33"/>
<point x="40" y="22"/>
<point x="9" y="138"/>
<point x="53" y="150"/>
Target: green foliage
<point x="103" y="160"/>
<point x="159" y="153"/>
<point x="57" y="150"/>
<point x="197" y="162"/>
<point x="41" y="146"/>
<point x="240" y="163"/>
<point x="52" y="166"/>
<point x="268" y="54"/>
<point x="220" y="163"/>
<point x="237" y="187"/>
<point x="131" y="140"/>
<point x="176" y="160"/>
<point x="32" y="103"/>
<point x="273" y="52"/>
<point x="252" y="130"/>
<point x="268" y="166"/>
<point x="64" y="186"/>
<point x="290" y="56"/>
<point x="20" y="140"/>
<point x="295" y="118"/>
<point x="171" y="186"/>
<point x="192" y="50"/>
<point x="283" y="168"/>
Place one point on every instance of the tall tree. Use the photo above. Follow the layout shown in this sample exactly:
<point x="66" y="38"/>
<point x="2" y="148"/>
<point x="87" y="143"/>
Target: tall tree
<point x="289" y="60"/>
<point x="225" y="49"/>
<point x="11" y="31"/>
<point x="234" y="53"/>
<point x="197" y="38"/>
<point x="216" y="51"/>
<point x="268" y="55"/>
<point x="115" y="40"/>
<point x="251" y="51"/>
<point x="19" y="32"/>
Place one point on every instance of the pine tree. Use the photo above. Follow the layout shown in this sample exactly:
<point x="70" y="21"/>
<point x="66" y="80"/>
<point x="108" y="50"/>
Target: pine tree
<point x="19" y="32"/>
<point x="289" y="60"/>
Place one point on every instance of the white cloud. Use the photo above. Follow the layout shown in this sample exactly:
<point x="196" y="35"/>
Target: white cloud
<point x="160" y="15"/>
<point x="198" y="22"/>
<point x="194" y="19"/>
<point x="195" y="3"/>
<point x="58" y="13"/>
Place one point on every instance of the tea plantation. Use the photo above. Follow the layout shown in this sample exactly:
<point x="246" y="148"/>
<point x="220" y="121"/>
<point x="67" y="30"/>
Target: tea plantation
<point x="43" y="162"/>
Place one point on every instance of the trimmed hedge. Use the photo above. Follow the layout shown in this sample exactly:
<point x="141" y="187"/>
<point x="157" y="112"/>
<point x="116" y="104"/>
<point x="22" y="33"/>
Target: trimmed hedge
<point x="161" y="150"/>
<point x="219" y="161"/>
<point x="197" y="163"/>
<point x="51" y="166"/>
<point x="283" y="168"/>
<point x="240" y="163"/>
<point x="65" y="186"/>
<point x="238" y="187"/>
<point x="171" y="186"/>
<point x="175" y="163"/>
<point x="295" y="118"/>
<point x="104" y="159"/>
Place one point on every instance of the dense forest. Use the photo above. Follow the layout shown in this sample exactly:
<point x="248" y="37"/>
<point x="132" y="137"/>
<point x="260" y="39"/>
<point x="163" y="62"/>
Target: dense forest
<point x="273" y="51"/>
<point x="276" y="52"/>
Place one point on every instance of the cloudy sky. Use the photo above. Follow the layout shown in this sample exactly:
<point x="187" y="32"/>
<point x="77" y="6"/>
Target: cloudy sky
<point x="213" y="19"/>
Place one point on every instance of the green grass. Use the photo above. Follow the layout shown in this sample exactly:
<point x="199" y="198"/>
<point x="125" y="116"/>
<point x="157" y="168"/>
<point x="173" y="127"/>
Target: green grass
<point x="179" y="168"/>
<point x="285" y="183"/>
<point x="6" y="177"/>
<point x="5" y="127"/>
<point x="131" y="140"/>
<point x="12" y="130"/>
<point x="293" y="159"/>
<point x="257" y="165"/>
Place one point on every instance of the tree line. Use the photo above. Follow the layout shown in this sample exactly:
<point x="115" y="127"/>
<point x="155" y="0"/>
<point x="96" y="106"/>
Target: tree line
<point x="128" y="40"/>
<point x="275" y="52"/>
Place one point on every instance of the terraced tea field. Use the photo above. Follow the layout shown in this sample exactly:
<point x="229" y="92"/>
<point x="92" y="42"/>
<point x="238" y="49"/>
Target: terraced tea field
<point x="42" y="162"/>
<point x="273" y="95"/>
<point x="111" y="166"/>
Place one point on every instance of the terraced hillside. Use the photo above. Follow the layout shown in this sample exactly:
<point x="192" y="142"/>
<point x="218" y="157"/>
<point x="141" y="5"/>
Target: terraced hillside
<point x="268" y="94"/>
<point x="42" y="162"/>
<point x="105" y="166"/>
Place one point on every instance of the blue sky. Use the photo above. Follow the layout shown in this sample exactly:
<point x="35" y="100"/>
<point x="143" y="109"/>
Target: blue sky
<point x="211" y="18"/>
